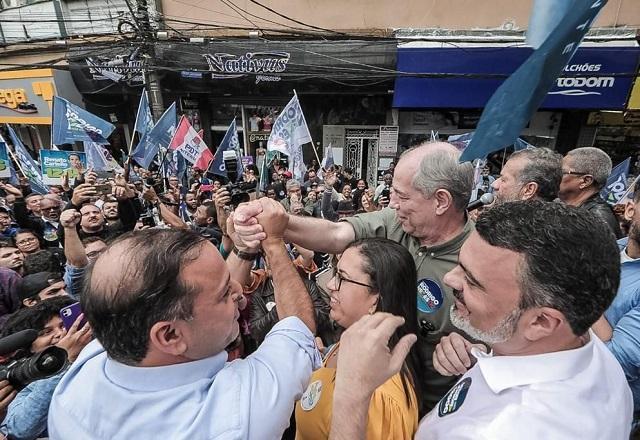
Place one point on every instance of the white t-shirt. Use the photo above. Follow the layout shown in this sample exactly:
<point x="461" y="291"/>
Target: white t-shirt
<point x="573" y="394"/>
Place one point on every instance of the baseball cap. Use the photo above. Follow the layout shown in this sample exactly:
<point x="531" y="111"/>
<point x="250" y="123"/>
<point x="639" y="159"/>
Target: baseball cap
<point x="33" y="284"/>
<point x="287" y="174"/>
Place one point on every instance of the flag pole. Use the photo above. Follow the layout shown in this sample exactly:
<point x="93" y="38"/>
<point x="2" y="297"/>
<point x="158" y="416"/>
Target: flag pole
<point x="312" y="143"/>
<point x="16" y="161"/>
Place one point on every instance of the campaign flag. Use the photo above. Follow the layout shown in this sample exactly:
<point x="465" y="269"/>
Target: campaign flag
<point x="462" y="141"/>
<point x="144" y="120"/>
<point x="288" y="134"/>
<point x="28" y="166"/>
<point x="545" y="16"/>
<point x="230" y="142"/>
<point x="95" y="157"/>
<point x="71" y="124"/>
<point x="190" y="145"/>
<point x="159" y="135"/>
<point x="616" y="185"/>
<point x="55" y="164"/>
<point x="327" y="161"/>
<point x="13" y="179"/>
<point x="511" y="106"/>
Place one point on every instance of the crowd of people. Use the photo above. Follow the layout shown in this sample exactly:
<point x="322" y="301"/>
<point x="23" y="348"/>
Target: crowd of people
<point x="326" y="308"/>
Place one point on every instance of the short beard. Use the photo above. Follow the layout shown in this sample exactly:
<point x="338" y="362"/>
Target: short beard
<point x="503" y="330"/>
<point x="634" y="232"/>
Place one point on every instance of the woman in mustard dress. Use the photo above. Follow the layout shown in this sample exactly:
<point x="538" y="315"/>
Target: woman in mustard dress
<point x="373" y="275"/>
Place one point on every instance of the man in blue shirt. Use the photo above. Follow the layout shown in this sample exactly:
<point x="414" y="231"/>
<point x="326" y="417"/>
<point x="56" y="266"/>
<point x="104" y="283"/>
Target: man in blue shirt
<point x="624" y="313"/>
<point x="163" y="307"/>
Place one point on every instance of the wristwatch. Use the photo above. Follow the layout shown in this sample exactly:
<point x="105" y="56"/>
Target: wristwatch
<point x="245" y="255"/>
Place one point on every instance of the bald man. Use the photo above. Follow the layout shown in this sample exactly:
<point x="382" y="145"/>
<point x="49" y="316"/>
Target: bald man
<point x="427" y="215"/>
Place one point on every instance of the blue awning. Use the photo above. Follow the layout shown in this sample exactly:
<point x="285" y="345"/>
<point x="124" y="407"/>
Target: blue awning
<point x="470" y="75"/>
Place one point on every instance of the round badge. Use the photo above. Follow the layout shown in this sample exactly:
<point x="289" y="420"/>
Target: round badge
<point x="311" y="396"/>
<point x="430" y="297"/>
<point x="453" y="400"/>
<point x="270" y="305"/>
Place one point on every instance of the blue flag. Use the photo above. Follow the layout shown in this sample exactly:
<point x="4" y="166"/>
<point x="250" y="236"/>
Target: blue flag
<point x="616" y="185"/>
<point x="160" y="135"/>
<point x="28" y="165"/>
<point x="183" y="177"/>
<point x="230" y="142"/>
<point x="71" y="124"/>
<point x="95" y="156"/>
<point x="462" y="141"/>
<point x="511" y="106"/>
<point x="144" y="120"/>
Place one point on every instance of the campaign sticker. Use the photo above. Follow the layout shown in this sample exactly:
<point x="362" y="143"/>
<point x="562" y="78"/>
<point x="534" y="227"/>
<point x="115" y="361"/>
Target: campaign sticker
<point x="311" y="396"/>
<point x="430" y="297"/>
<point x="453" y="400"/>
<point x="270" y="305"/>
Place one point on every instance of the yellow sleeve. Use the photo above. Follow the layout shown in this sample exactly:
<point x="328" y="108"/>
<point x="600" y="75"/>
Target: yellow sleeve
<point x="390" y="417"/>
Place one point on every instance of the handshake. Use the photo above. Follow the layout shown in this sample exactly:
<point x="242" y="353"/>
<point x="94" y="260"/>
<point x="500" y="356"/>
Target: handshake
<point x="259" y="220"/>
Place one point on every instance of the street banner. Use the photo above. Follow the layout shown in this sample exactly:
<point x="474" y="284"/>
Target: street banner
<point x="616" y="185"/>
<point x="159" y="136"/>
<point x="28" y="166"/>
<point x="288" y="134"/>
<point x="71" y="124"/>
<point x="54" y="164"/>
<point x="511" y="106"/>
<point x="144" y="119"/>
<point x="190" y="145"/>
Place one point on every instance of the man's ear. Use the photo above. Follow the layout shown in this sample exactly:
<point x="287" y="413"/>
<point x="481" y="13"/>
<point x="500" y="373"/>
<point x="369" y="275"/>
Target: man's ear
<point x="444" y="201"/>
<point x="529" y="191"/>
<point x="166" y="337"/>
<point x="542" y="322"/>
<point x="629" y="210"/>
<point x="29" y="302"/>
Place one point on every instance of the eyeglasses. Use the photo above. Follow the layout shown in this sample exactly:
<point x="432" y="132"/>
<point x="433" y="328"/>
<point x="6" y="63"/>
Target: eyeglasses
<point x="339" y="279"/>
<point x="27" y="240"/>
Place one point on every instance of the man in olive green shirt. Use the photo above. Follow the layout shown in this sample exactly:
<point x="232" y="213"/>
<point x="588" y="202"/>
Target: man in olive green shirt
<point x="427" y="215"/>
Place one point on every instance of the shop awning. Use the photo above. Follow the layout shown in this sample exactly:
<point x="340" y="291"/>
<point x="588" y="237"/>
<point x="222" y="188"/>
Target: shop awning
<point x="466" y="77"/>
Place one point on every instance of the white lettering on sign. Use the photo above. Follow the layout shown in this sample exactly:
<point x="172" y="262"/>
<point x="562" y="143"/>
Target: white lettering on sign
<point x="225" y="65"/>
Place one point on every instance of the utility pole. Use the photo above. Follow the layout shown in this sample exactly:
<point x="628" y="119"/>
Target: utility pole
<point x="151" y="78"/>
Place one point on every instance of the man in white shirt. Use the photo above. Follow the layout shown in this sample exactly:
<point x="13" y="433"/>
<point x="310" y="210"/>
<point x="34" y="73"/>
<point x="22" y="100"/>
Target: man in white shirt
<point x="163" y="308"/>
<point x="547" y="273"/>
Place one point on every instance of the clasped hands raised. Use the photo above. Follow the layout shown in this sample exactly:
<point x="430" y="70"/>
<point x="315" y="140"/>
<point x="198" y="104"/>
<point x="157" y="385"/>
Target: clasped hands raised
<point x="259" y="220"/>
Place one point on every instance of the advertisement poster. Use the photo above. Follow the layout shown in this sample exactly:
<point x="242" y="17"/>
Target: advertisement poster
<point x="5" y="171"/>
<point x="56" y="163"/>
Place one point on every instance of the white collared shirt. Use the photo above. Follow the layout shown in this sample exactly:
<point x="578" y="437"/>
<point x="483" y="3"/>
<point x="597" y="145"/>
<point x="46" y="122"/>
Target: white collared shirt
<point x="252" y="398"/>
<point x="573" y="394"/>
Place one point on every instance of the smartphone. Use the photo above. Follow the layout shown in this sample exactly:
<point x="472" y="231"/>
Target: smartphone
<point x="69" y="315"/>
<point x="206" y="188"/>
<point x="103" y="189"/>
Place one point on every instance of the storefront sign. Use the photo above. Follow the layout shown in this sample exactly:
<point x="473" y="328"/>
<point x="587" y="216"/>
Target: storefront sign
<point x="333" y="135"/>
<point x="388" y="140"/>
<point x="264" y="65"/>
<point x="26" y="96"/>
<point x="634" y="99"/>
<point x="595" y="78"/>
<point x="257" y="136"/>
<point x="127" y="68"/>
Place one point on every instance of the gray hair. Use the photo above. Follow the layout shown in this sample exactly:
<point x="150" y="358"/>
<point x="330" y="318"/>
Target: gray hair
<point x="292" y="184"/>
<point x="544" y="167"/>
<point x="592" y="161"/>
<point x="440" y="169"/>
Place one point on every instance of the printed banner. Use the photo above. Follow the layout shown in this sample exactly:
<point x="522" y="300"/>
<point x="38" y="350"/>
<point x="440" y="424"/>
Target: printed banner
<point x="55" y="164"/>
<point x="616" y="185"/>
<point x="5" y="164"/>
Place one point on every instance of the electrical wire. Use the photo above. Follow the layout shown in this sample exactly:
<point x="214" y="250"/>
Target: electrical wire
<point x="294" y="20"/>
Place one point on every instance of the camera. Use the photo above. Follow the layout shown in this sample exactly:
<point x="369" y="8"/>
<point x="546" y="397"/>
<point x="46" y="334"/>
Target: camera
<point x="21" y="372"/>
<point x="147" y="219"/>
<point x="239" y="192"/>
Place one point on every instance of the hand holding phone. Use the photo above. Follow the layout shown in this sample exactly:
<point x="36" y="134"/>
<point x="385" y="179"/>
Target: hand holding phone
<point x="69" y="315"/>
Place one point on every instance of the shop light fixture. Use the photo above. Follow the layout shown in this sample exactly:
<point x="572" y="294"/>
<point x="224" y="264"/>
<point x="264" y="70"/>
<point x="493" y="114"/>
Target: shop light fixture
<point x="254" y="34"/>
<point x="196" y="40"/>
<point x="162" y="35"/>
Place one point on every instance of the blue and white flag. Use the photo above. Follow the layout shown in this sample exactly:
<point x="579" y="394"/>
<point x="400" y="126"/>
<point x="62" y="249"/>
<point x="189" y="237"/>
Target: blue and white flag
<point x="616" y="185"/>
<point x="230" y="142"/>
<point x="511" y="106"/>
<point x="462" y="141"/>
<point x="160" y="135"/>
<point x="95" y="157"/>
<point x="29" y="167"/>
<point x="144" y="119"/>
<point x="71" y="124"/>
<point x="327" y="161"/>
<point x="288" y="134"/>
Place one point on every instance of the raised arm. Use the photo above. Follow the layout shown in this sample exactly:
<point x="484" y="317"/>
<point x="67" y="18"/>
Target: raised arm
<point x="291" y="296"/>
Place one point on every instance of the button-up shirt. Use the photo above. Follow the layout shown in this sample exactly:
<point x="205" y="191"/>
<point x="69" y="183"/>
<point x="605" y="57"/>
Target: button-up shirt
<point x="624" y="316"/>
<point x="571" y="394"/>
<point x="253" y="398"/>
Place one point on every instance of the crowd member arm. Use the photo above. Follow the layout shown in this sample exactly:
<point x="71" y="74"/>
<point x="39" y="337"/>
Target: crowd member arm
<point x="625" y="343"/>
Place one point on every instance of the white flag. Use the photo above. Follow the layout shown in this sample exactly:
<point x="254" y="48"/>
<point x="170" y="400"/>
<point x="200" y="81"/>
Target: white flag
<point x="288" y="134"/>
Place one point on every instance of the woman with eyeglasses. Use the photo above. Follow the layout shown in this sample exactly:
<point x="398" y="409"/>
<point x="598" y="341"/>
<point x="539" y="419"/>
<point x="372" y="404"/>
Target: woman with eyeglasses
<point x="28" y="241"/>
<point x="373" y="275"/>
